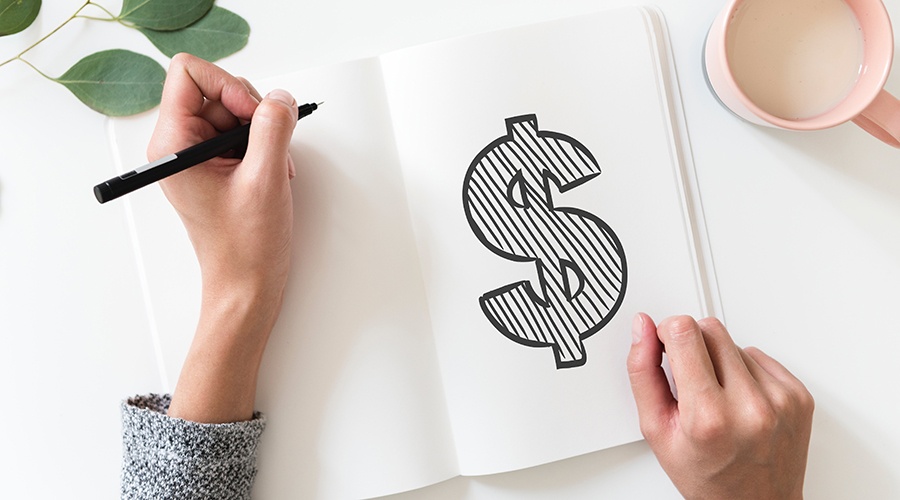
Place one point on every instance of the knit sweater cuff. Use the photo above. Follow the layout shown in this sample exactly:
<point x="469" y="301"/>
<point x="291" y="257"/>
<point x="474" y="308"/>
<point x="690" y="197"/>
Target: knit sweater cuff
<point x="166" y="457"/>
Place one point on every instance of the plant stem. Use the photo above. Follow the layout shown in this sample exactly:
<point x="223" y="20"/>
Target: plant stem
<point x="35" y="68"/>
<point x="112" y="16"/>
<point x="92" y="18"/>
<point x="48" y="35"/>
<point x="111" y="19"/>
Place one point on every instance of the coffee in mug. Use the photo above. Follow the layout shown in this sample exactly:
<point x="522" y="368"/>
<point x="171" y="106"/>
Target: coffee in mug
<point x="805" y="64"/>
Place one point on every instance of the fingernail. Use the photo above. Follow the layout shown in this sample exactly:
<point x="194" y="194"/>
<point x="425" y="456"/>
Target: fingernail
<point x="637" y="328"/>
<point x="281" y="96"/>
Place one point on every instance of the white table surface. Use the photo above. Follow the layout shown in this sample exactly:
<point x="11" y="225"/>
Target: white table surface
<point x="804" y="229"/>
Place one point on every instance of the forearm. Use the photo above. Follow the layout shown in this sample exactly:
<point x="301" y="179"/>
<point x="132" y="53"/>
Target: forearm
<point x="218" y="379"/>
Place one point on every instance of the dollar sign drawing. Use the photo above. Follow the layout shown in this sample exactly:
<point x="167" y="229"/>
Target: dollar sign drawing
<point x="508" y="200"/>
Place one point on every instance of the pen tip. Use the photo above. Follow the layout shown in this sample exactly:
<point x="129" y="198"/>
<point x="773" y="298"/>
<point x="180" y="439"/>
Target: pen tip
<point x="320" y="103"/>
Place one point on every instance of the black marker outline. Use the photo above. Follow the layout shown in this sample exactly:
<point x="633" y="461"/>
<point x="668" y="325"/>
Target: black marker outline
<point x="579" y="236"/>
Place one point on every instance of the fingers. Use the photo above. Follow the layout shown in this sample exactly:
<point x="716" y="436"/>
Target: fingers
<point x="191" y="79"/>
<point x="725" y="355"/>
<point x="218" y="116"/>
<point x="270" y="133"/>
<point x="185" y="118"/>
<point x="759" y="374"/>
<point x="200" y="100"/>
<point x="292" y="169"/>
<point x="652" y="395"/>
<point x="689" y="358"/>
<point x="251" y="88"/>
<point x="749" y="435"/>
<point x="771" y="367"/>
<point x="709" y="369"/>
<point x="778" y="372"/>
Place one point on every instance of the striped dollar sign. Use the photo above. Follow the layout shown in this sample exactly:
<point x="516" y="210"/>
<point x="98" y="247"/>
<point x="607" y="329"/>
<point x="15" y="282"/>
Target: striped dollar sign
<point x="508" y="201"/>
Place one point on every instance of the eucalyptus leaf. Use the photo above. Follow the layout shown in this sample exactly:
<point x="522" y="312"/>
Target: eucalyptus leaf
<point x="116" y="82"/>
<point x="164" y="15"/>
<point x="218" y="34"/>
<point x="16" y="15"/>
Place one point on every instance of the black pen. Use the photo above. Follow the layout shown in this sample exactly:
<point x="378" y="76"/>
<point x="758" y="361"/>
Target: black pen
<point x="232" y="140"/>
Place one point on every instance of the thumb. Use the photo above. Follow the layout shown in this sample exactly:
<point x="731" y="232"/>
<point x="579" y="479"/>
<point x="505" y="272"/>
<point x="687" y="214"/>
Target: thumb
<point x="271" y="128"/>
<point x="652" y="395"/>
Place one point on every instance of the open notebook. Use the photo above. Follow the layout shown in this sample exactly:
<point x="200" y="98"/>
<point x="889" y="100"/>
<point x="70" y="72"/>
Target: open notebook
<point x="477" y="222"/>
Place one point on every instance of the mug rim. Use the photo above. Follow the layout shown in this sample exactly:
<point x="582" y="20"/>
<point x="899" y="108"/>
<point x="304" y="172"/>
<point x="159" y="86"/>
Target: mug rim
<point x="872" y="77"/>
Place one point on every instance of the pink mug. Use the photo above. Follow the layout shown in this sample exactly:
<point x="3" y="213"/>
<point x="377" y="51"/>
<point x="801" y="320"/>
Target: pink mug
<point x="774" y="64"/>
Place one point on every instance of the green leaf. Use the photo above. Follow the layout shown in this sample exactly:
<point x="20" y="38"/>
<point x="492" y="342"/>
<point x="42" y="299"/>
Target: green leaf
<point x="218" y="34"/>
<point x="16" y="15"/>
<point x="164" y="15"/>
<point x="116" y="82"/>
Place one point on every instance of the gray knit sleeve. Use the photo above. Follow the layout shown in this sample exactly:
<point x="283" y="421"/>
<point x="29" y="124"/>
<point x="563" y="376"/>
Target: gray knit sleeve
<point x="171" y="458"/>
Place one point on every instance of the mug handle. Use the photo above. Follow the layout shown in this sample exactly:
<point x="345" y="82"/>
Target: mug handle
<point x="882" y="118"/>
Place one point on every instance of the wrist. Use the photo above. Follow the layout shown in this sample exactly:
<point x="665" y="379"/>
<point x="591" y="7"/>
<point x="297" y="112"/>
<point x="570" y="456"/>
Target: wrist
<point x="243" y="313"/>
<point x="247" y="296"/>
<point x="235" y="266"/>
<point x="218" y="380"/>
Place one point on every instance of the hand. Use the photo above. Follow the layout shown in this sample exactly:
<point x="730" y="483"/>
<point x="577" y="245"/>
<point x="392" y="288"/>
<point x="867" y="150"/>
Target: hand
<point x="239" y="218"/>
<point x="238" y="213"/>
<point x="741" y="423"/>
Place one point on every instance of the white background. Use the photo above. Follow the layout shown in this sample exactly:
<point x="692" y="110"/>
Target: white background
<point x="803" y="227"/>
